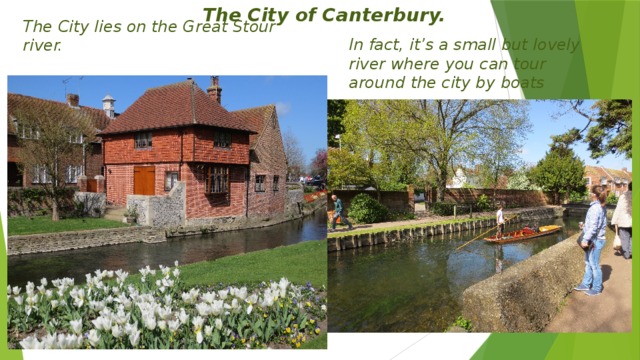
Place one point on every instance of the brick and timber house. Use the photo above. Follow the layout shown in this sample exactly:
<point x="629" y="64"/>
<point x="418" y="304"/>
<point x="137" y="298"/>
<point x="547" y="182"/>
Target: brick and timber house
<point x="615" y="181"/>
<point x="90" y="165"/>
<point x="268" y="166"/>
<point x="178" y="134"/>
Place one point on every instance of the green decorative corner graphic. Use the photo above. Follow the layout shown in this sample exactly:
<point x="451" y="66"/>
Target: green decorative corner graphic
<point x="5" y="353"/>
<point x="604" y="65"/>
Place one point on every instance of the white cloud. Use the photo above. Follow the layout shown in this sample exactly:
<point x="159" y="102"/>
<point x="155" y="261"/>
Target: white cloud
<point x="283" y="109"/>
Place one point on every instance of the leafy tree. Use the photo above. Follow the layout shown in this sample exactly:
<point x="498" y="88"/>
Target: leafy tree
<point x="437" y="133"/>
<point x="520" y="180"/>
<point x="498" y="154"/>
<point x="319" y="163"/>
<point x="336" y="110"/>
<point x="608" y="128"/>
<point x="52" y="138"/>
<point x="347" y="168"/>
<point x="560" y="172"/>
<point x="295" y="155"/>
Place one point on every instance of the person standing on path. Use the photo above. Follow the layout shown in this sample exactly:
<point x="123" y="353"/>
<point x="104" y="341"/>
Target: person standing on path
<point x="622" y="221"/>
<point x="338" y="212"/>
<point x="500" y="222"/>
<point x="593" y="240"/>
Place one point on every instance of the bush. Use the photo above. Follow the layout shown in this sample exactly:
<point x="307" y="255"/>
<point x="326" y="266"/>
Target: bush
<point x="612" y="198"/>
<point x="366" y="210"/>
<point x="483" y="203"/>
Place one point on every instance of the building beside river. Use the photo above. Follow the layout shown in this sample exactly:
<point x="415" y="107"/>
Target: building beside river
<point x="229" y="163"/>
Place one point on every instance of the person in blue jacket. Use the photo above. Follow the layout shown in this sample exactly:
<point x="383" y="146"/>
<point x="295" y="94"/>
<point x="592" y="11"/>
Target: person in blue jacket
<point x="593" y="241"/>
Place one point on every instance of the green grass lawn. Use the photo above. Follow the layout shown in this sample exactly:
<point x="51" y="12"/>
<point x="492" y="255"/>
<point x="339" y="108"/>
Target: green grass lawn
<point x="42" y="224"/>
<point x="299" y="263"/>
<point x="391" y="227"/>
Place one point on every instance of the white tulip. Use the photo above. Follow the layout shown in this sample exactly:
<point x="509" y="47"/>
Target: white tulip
<point x="76" y="326"/>
<point x="94" y="337"/>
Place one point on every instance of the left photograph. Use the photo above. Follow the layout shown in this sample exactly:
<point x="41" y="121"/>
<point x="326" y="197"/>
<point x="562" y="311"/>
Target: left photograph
<point x="159" y="212"/>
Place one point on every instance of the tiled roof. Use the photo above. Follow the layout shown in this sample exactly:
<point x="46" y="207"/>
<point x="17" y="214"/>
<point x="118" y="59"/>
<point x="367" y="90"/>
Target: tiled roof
<point x="17" y="101"/>
<point x="174" y="105"/>
<point x="256" y="118"/>
<point x="598" y="172"/>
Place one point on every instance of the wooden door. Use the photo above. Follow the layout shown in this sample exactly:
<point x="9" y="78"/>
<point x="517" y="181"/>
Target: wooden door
<point x="92" y="185"/>
<point x="144" y="180"/>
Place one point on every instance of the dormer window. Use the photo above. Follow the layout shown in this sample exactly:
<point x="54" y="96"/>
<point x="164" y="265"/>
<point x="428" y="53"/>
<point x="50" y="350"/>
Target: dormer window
<point x="142" y="141"/>
<point x="603" y="180"/>
<point x="76" y="138"/>
<point x="222" y="139"/>
<point x="26" y="132"/>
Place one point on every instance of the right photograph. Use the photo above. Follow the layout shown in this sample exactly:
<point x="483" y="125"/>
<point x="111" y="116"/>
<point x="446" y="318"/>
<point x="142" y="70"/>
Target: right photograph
<point x="479" y="215"/>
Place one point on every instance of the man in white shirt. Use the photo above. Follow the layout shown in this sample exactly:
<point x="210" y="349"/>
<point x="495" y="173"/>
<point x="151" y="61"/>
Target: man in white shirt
<point x="622" y="221"/>
<point x="500" y="221"/>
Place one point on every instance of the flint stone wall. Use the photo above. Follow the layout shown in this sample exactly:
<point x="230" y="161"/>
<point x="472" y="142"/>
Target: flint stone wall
<point x="526" y="296"/>
<point x="39" y="243"/>
<point x="163" y="210"/>
<point x="94" y="204"/>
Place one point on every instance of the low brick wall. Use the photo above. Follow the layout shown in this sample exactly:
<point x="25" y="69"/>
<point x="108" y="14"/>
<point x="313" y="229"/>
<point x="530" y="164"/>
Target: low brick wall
<point x="39" y="243"/>
<point x="401" y="201"/>
<point x="419" y="231"/>
<point x="526" y="296"/>
<point x="512" y="198"/>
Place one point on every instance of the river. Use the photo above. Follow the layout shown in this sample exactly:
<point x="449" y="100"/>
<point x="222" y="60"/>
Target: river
<point x="417" y="286"/>
<point x="131" y="257"/>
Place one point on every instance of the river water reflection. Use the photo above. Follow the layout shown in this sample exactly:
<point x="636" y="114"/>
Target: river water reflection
<point x="417" y="286"/>
<point x="131" y="257"/>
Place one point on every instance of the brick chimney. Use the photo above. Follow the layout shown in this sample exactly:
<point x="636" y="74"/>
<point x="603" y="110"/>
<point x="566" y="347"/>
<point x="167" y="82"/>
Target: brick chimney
<point x="73" y="100"/>
<point x="215" y="91"/>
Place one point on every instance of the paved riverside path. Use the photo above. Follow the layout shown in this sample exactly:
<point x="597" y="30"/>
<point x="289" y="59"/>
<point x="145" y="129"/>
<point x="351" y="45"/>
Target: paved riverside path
<point x="607" y="312"/>
<point x="425" y="220"/>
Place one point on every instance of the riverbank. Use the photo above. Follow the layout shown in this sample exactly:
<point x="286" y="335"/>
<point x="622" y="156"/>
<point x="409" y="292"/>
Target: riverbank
<point x="397" y="231"/>
<point x="303" y="265"/>
<point x="614" y="309"/>
<point x="71" y="240"/>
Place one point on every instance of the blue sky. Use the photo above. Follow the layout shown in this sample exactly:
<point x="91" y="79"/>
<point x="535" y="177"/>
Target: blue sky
<point x="542" y="115"/>
<point x="301" y="101"/>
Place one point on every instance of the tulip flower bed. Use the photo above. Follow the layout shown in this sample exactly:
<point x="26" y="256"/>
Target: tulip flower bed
<point x="314" y="196"/>
<point x="112" y="311"/>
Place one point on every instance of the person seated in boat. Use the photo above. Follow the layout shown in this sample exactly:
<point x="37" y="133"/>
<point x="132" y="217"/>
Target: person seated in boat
<point x="500" y="221"/>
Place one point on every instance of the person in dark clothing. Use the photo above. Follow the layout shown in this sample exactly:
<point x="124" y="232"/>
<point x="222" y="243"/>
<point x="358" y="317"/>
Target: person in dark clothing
<point x="339" y="212"/>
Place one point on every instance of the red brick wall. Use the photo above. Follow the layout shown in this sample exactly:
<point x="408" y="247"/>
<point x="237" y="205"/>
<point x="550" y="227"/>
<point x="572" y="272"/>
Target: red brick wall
<point x="200" y="205"/>
<point x="94" y="161"/>
<point x="268" y="159"/>
<point x="119" y="179"/>
<point x="511" y="198"/>
<point x="201" y="140"/>
<point x="119" y="149"/>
